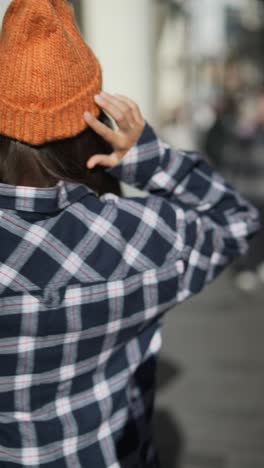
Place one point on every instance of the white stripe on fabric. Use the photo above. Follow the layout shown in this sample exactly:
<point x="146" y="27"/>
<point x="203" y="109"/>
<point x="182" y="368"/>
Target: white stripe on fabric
<point x="35" y="235"/>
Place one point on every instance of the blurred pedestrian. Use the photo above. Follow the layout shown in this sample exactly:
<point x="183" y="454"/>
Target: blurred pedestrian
<point x="222" y="136"/>
<point x="248" y="178"/>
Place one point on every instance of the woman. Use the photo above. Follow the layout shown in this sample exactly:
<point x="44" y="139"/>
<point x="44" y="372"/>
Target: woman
<point x="85" y="274"/>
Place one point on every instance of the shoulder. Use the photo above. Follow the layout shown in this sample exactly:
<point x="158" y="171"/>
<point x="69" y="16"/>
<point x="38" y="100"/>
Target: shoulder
<point x="140" y="229"/>
<point x="146" y="225"/>
<point x="151" y="210"/>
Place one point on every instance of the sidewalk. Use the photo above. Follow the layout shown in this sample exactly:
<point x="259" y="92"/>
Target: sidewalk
<point x="210" y="405"/>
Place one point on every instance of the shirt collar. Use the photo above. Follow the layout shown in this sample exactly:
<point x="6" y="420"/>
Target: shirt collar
<point x="42" y="200"/>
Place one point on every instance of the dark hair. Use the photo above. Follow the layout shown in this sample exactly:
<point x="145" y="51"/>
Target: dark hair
<point x="45" y="165"/>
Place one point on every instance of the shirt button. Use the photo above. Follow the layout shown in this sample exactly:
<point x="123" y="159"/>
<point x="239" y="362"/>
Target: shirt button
<point x="51" y="298"/>
<point x="134" y="394"/>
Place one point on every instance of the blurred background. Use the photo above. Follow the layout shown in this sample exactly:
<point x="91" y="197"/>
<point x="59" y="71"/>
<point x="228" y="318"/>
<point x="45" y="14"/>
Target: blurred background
<point x="196" y="68"/>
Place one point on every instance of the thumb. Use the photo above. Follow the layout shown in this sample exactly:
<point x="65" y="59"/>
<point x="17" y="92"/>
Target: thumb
<point x="102" y="160"/>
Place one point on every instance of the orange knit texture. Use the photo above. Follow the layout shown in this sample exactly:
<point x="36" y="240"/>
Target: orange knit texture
<point x="48" y="74"/>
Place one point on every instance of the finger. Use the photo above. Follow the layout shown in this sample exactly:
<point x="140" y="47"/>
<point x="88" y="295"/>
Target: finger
<point x="133" y="106"/>
<point x="113" y="110"/>
<point x="103" y="130"/>
<point x="102" y="160"/>
<point x="119" y="103"/>
<point x="125" y="109"/>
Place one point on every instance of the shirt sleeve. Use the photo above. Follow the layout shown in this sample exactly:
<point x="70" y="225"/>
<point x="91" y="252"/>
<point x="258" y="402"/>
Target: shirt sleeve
<point x="205" y="221"/>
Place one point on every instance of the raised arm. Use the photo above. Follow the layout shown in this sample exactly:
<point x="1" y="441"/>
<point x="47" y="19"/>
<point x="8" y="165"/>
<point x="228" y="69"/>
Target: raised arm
<point x="205" y="221"/>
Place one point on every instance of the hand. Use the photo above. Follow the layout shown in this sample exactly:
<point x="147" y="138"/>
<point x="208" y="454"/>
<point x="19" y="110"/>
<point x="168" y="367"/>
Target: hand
<point x="130" y="125"/>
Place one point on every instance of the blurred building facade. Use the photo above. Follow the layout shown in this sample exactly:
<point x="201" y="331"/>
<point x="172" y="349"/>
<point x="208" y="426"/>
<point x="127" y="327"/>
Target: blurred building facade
<point x="122" y="33"/>
<point x="208" y="49"/>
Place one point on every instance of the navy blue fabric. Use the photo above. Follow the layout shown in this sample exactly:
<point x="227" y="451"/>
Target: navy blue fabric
<point x="84" y="283"/>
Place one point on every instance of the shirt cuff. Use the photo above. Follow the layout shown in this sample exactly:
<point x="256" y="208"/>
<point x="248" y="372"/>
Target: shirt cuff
<point x="140" y="162"/>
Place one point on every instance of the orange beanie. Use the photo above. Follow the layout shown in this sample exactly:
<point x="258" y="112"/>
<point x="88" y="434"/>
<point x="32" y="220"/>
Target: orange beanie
<point x="48" y="74"/>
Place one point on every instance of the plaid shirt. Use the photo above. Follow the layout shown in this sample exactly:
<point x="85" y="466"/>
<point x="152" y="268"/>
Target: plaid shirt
<point x="85" y="281"/>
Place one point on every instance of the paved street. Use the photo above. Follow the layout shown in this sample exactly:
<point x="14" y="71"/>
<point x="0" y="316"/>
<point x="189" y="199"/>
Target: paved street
<point x="210" y="405"/>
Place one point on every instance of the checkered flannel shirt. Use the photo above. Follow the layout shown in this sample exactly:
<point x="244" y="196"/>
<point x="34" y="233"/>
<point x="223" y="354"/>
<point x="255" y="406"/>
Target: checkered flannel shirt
<point x="84" y="283"/>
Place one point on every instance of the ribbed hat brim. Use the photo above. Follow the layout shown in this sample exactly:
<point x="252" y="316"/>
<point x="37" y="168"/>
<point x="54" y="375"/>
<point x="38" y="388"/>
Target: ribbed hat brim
<point x="38" y="127"/>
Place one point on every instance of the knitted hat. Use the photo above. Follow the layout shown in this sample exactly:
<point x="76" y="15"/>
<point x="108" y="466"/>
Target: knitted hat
<point x="48" y="74"/>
